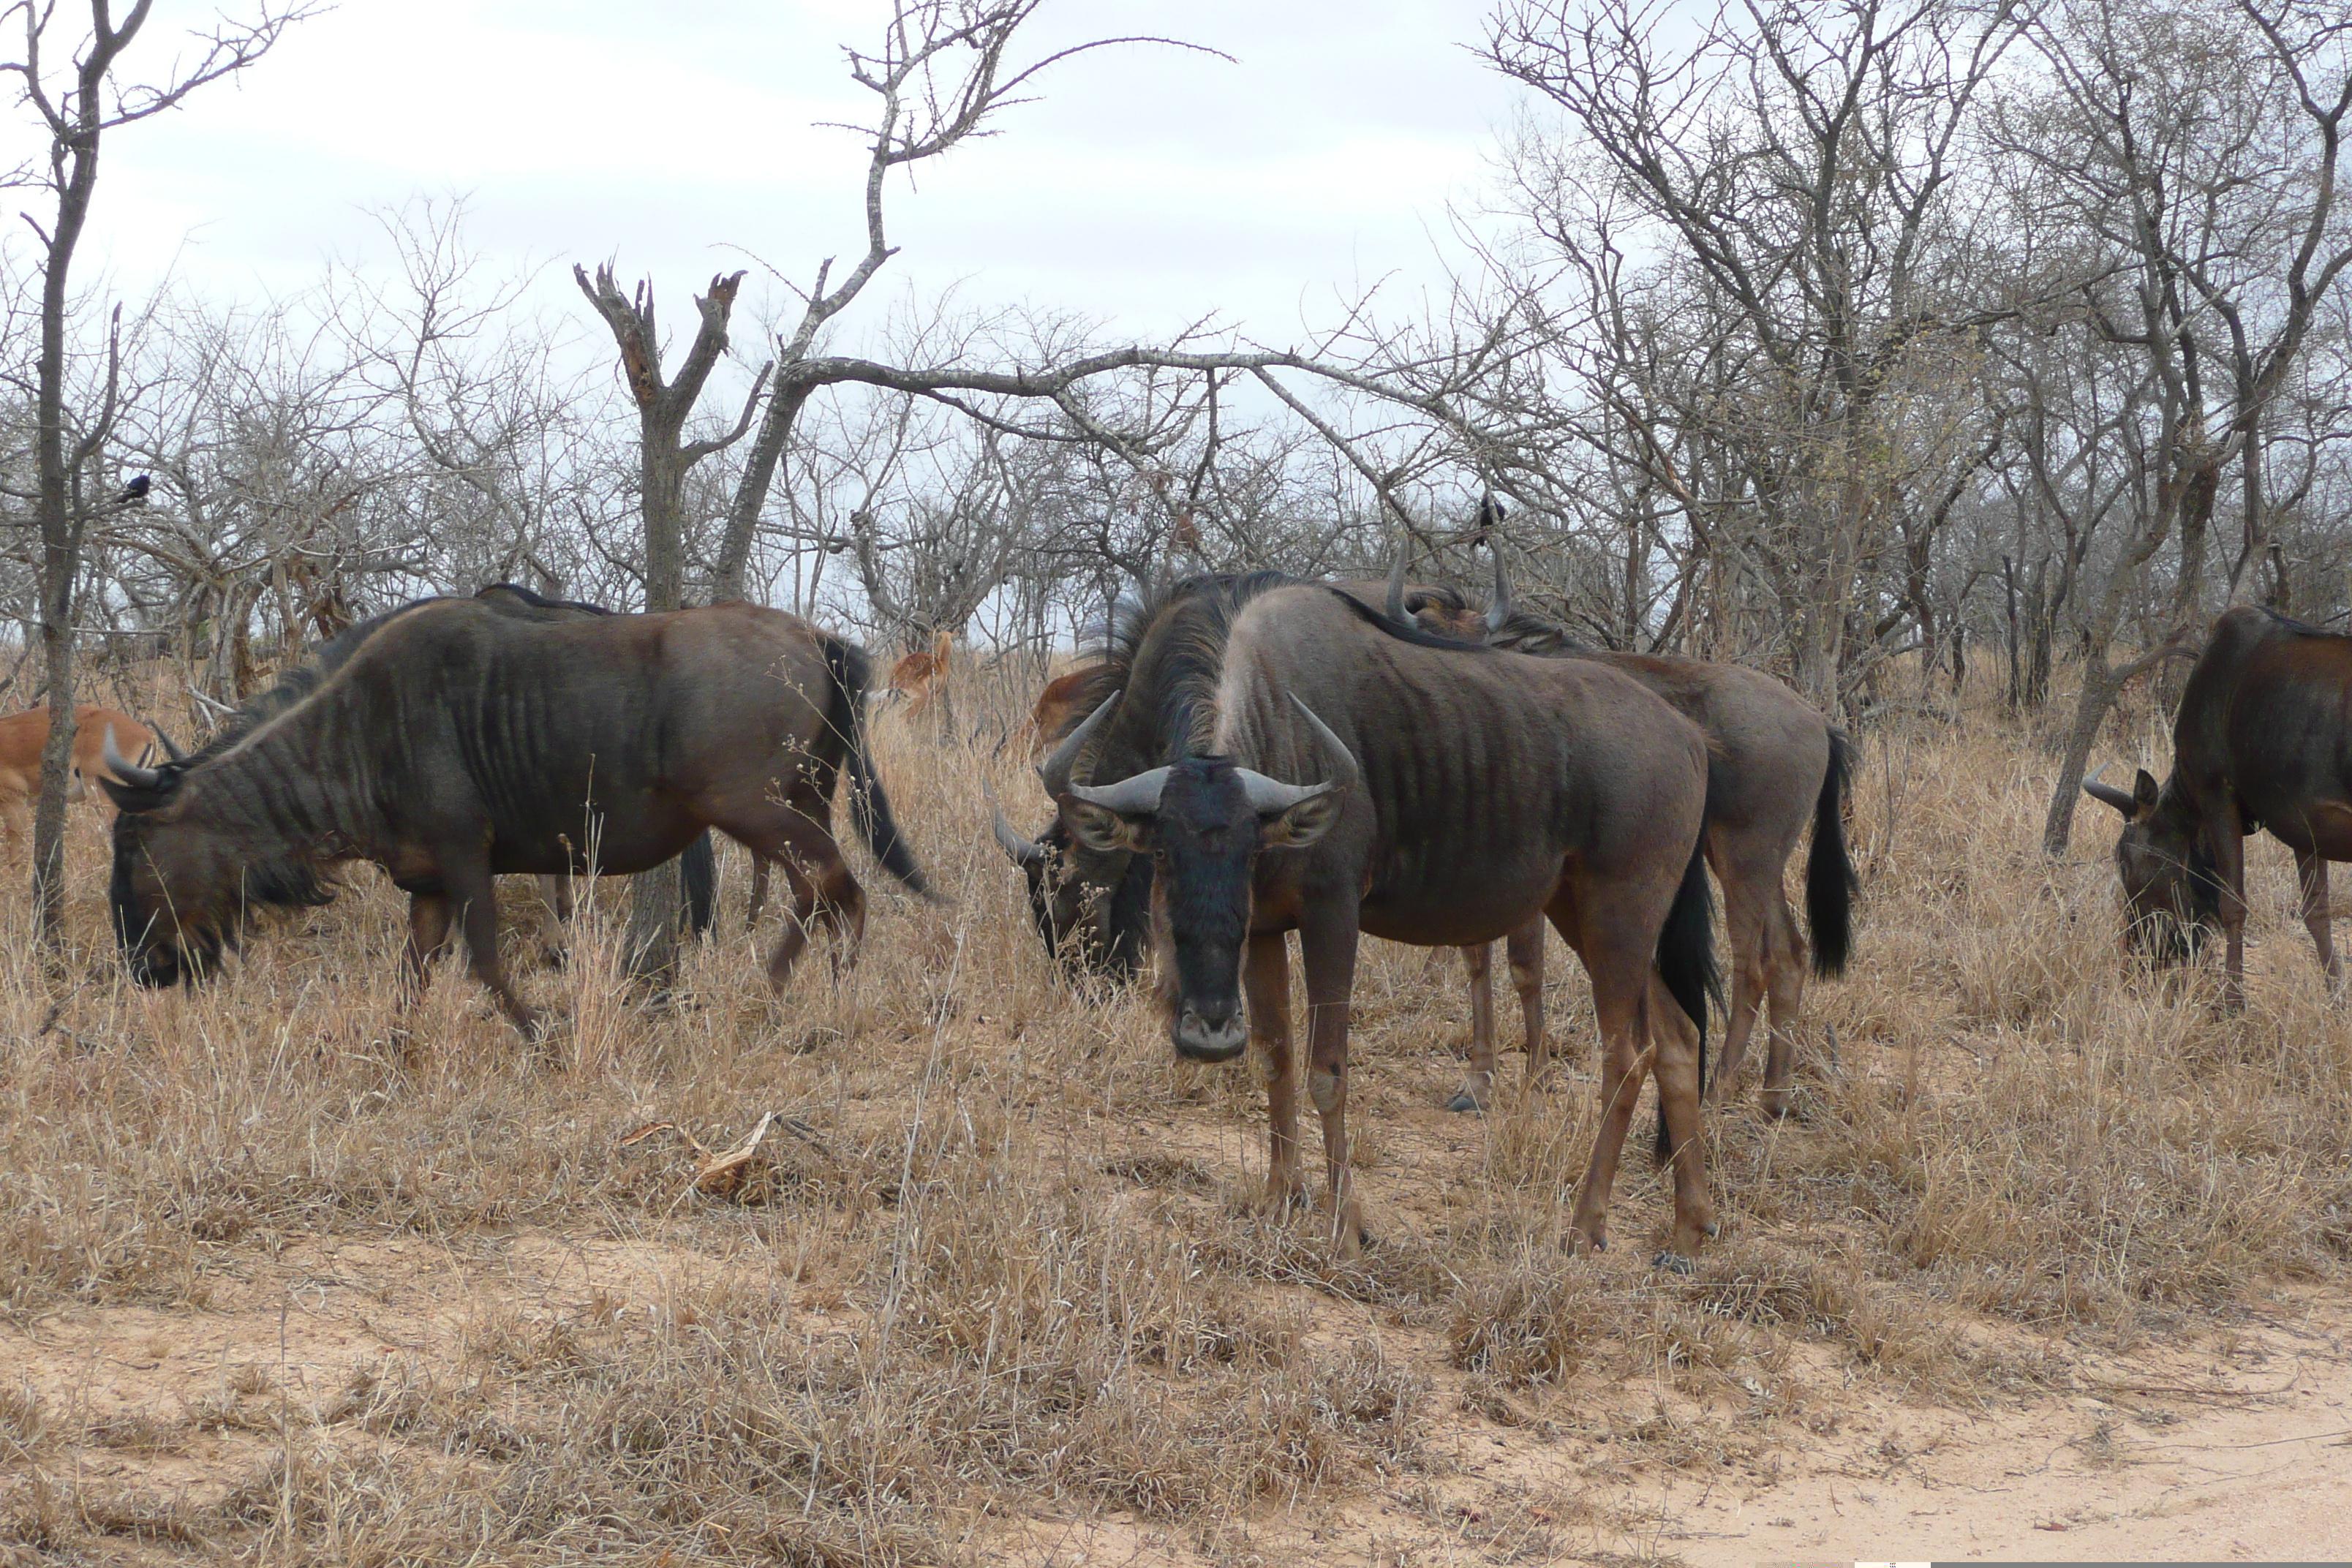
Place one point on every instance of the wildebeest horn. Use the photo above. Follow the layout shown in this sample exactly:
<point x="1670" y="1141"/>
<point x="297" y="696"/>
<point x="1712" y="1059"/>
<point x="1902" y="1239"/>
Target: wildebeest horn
<point x="172" y="751"/>
<point x="1024" y="852"/>
<point x="1054" y="773"/>
<point x="123" y="768"/>
<point x="1396" y="581"/>
<point x="1498" y="608"/>
<point x="1138" y="795"/>
<point x="2107" y="793"/>
<point x="1269" y="797"/>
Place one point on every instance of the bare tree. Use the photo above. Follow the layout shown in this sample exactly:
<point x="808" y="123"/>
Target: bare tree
<point x="78" y="101"/>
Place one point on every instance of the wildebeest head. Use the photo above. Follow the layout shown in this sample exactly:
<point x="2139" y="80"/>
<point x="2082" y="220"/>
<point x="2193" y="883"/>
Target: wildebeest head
<point x="2172" y="897"/>
<point x="1203" y="822"/>
<point x="1092" y="910"/>
<point x="179" y="892"/>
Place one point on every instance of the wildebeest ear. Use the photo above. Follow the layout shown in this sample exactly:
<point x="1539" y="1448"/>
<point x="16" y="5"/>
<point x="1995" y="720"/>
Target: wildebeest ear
<point x="1099" y="828"/>
<point x="1303" y="824"/>
<point x="2144" y="791"/>
<point x="132" y="797"/>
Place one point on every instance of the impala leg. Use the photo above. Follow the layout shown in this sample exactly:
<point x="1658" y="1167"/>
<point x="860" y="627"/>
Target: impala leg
<point x="1478" y="1083"/>
<point x="2311" y="871"/>
<point x="1327" y="954"/>
<point x="1526" y="951"/>
<point x="1266" y="980"/>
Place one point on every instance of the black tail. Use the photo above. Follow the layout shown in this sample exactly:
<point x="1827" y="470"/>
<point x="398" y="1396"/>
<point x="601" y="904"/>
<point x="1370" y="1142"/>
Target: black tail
<point x="1829" y="881"/>
<point x="698" y="867"/>
<point x="1686" y="963"/>
<point x="869" y="807"/>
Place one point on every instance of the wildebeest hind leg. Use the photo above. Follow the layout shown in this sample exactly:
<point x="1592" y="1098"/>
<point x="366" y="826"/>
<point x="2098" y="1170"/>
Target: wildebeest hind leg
<point x="1749" y="919"/>
<point x="793" y="835"/>
<point x="1784" y="988"/>
<point x="2311" y="871"/>
<point x="1620" y="979"/>
<point x="1525" y="950"/>
<point x="1478" y="1083"/>
<point x="1674" y="1045"/>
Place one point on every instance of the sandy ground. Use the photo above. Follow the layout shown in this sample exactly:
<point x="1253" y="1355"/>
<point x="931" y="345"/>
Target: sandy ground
<point x="2233" y="1446"/>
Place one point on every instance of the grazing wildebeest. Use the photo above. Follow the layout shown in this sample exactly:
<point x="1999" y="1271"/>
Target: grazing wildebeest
<point x="22" y="738"/>
<point x="1458" y="792"/>
<point x="2262" y="741"/>
<point x="454" y="743"/>
<point x="698" y="866"/>
<point x="1778" y="764"/>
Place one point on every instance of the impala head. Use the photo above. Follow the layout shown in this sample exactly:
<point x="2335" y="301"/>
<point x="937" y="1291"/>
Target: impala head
<point x="2172" y="897"/>
<point x="1203" y="822"/>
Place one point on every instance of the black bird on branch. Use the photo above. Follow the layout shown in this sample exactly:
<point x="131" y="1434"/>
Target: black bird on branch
<point x="135" y="492"/>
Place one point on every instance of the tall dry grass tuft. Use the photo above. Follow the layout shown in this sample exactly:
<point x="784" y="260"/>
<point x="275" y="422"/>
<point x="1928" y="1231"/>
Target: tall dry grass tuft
<point x="1004" y="1262"/>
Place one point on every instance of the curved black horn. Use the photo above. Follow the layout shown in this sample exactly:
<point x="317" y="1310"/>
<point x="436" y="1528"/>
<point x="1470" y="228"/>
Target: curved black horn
<point x="123" y="768"/>
<point x="1054" y="773"/>
<point x="1499" y="609"/>
<point x="2108" y="793"/>
<point x="1350" y="775"/>
<point x="1396" y="580"/>
<point x="172" y="751"/>
<point x="1022" y="851"/>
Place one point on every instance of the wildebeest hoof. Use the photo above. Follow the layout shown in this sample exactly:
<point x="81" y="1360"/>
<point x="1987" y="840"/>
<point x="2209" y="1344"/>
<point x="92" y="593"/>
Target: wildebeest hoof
<point x="1463" y="1101"/>
<point x="1673" y="1263"/>
<point x="1714" y="1228"/>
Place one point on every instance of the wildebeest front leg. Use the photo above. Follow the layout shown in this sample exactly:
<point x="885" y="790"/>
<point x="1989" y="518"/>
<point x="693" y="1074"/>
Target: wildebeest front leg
<point x="2311" y="871"/>
<point x="1478" y="1084"/>
<point x="555" y="914"/>
<point x="2227" y="842"/>
<point x="475" y="895"/>
<point x="428" y="934"/>
<point x="1327" y="952"/>
<point x="1265" y="979"/>
<point x="760" y="870"/>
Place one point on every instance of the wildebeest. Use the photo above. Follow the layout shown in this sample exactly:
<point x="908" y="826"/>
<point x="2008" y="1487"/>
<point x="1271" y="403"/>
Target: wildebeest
<point x="2261" y="740"/>
<point x="698" y="865"/>
<point x="22" y="738"/>
<point x="1455" y="792"/>
<point x="456" y="742"/>
<point x="1778" y="764"/>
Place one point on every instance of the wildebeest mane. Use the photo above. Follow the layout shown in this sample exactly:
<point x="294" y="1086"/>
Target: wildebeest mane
<point x="541" y="602"/>
<point x="291" y="687"/>
<point x="1187" y="619"/>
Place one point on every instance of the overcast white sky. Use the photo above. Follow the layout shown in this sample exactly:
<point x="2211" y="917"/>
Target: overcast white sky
<point x="1148" y="186"/>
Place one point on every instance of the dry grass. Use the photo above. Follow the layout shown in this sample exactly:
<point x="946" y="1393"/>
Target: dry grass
<point x="1001" y="1268"/>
